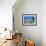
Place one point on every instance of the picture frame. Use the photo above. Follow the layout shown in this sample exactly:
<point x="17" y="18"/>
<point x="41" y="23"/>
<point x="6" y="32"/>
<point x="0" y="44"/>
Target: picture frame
<point x="29" y="19"/>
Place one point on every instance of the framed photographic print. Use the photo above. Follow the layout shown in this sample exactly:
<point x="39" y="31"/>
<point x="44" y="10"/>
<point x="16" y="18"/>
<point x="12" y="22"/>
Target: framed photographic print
<point x="29" y="19"/>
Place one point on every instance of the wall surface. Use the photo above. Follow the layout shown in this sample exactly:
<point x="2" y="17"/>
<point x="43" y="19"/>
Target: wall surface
<point x="43" y="22"/>
<point x="6" y="13"/>
<point x="28" y="7"/>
